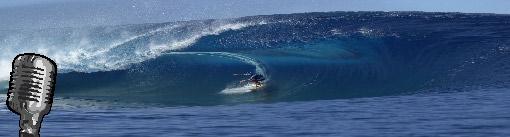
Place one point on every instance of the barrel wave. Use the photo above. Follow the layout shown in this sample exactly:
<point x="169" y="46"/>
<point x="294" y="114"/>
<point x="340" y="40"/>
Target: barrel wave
<point x="308" y="56"/>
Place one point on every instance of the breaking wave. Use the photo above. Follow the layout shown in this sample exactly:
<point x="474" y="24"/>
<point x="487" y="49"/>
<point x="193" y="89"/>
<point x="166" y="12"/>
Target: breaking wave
<point x="310" y="56"/>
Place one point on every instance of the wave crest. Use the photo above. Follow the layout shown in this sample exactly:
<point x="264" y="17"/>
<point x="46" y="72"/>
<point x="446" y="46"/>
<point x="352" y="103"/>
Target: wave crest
<point x="109" y="48"/>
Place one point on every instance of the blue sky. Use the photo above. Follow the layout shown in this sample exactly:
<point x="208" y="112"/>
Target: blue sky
<point x="16" y="14"/>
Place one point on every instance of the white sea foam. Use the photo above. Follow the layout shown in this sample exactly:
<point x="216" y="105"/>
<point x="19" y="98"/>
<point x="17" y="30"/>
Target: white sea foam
<point x="5" y="69"/>
<point x="86" y="50"/>
<point x="156" y="49"/>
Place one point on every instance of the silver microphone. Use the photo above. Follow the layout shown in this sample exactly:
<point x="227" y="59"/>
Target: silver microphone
<point x="30" y="93"/>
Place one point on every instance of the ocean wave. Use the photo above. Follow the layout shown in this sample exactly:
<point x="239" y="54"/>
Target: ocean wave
<point x="309" y="56"/>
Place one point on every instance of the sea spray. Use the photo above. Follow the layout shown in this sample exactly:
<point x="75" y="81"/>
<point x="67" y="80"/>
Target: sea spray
<point x="109" y="48"/>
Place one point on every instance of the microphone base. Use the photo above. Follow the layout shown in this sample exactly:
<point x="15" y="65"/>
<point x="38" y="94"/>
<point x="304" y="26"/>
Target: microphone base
<point x="30" y="125"/>
<point x="28" y="135"/>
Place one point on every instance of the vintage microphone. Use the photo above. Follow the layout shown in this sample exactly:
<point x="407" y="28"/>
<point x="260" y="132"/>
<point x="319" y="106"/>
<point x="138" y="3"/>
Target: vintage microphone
<point x="30" y="93"/>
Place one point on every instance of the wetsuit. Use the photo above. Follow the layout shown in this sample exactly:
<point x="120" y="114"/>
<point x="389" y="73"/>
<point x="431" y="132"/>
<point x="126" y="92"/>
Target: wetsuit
<point x="257" y="79"/>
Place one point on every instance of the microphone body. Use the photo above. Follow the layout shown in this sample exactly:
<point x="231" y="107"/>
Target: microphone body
<point x="31" y="89"/>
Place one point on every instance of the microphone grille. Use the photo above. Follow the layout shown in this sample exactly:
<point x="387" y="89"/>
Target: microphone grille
<point x="32" y="79"/>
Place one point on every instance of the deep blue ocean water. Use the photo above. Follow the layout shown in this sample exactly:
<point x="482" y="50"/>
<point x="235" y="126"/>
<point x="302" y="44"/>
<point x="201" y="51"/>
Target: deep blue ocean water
<point x="327" y="74"/>
<point x="470" y="113"/>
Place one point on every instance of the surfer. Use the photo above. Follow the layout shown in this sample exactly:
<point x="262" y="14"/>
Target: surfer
<point x="257" y="80"/>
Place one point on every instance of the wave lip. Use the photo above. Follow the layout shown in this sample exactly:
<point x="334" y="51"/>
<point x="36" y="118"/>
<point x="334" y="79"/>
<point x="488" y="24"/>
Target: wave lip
<point x="111" y="48"/>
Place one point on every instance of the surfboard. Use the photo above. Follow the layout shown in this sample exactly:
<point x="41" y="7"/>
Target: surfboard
<point x="246" y="88"/>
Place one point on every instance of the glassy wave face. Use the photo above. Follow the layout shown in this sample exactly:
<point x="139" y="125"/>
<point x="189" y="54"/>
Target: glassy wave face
<point x="309" y="56"/>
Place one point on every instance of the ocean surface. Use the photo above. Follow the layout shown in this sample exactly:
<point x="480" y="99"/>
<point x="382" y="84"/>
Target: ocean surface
<point x="327" y="74"/>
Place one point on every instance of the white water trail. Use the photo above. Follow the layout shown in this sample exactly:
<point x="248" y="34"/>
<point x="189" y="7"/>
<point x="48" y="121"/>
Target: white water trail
<point x="247" y="88"/>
